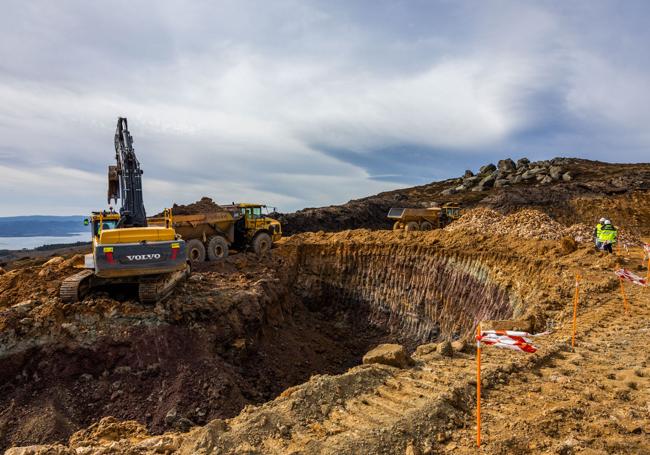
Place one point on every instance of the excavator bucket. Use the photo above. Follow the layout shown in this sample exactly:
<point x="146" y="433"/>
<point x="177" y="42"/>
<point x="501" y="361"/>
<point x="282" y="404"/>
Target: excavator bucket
<point x="113" y="184"/>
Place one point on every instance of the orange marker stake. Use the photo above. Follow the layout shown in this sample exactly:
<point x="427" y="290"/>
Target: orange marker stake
<point x="625" y="304"/>
<point x="576" y="297"/>
<point x="478" y="387"/>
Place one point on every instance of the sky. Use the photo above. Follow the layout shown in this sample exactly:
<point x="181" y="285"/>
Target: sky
<point x="309" y="103"/>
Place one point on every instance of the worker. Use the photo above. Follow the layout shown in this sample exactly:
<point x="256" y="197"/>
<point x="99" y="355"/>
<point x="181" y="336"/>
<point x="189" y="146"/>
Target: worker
<point x="608" y="236"/>
<point x="599" y="226"/>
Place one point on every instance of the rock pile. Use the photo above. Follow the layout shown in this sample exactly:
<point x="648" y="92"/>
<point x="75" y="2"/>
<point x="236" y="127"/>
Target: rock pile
<point x="507" y="173"/>
<point x="529" y="224"/>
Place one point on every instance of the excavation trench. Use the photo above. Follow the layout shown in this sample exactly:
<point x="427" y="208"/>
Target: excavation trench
<point x="215" y="347"/>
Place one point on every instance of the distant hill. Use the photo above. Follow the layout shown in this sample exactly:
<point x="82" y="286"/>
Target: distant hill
<point x="38" y="225"/>
<point x="570" y="190"/>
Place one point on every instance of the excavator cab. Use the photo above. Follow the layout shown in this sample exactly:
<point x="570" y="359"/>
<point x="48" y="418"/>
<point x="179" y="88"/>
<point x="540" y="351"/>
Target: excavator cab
<point x="103" y="222"/>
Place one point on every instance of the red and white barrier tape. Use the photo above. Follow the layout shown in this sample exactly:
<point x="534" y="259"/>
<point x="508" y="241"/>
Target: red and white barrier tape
<point x="508" y="339"/>
<point x="625" y="274"/>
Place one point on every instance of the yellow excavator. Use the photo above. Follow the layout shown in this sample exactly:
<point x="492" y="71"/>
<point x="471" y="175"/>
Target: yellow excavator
<point x="125" y="250"/>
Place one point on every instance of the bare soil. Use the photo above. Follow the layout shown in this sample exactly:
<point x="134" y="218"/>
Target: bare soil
<point x="591" y="400"/>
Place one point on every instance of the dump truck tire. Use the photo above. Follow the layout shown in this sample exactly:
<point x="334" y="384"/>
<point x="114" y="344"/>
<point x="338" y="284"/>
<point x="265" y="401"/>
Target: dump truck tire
<point x="195" y="250"/>
<point x="426" y="226"/>
<point x="398" y="226"/>
<point x="262" y="243"/>
<point x="217" y="248"/>
<point x="412" y="226"/>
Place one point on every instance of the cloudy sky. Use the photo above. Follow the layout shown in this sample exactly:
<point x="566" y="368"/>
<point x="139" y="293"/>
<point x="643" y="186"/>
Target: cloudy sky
<point x="309" y="103"/>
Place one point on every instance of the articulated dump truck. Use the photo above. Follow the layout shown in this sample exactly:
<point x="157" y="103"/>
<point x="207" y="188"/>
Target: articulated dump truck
<point x="410" y="219"/>
<point x="210" y="235"/>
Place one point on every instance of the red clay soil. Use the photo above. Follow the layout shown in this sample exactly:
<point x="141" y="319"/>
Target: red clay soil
<point x="231" y="336"/>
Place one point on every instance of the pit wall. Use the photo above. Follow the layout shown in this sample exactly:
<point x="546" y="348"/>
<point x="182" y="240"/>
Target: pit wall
<point x="417" y="293"/>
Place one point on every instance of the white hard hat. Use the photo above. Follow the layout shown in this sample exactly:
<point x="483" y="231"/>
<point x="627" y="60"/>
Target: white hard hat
<point x="608" y="222"/>
<point x="602" y="220"/>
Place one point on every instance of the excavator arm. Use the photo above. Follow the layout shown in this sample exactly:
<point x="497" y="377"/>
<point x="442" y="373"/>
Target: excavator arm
<point x="125" y="179"/>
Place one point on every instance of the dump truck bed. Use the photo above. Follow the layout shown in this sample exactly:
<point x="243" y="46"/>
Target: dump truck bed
<point x="406" y="214"/>
<point x="202" y="225"/>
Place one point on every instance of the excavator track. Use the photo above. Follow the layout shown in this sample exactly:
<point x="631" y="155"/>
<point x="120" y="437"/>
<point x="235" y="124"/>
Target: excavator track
<point x="74" y="287"/>
<point x="152" y="290"/>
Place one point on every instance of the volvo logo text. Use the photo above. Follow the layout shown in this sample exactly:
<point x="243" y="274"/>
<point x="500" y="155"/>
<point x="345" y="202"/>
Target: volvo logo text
<point x="143" y="257"/>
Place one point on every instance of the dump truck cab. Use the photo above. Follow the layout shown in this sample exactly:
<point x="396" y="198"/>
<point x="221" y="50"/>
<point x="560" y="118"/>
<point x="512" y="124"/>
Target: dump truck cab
<point x="452" y="210"/>
<point x="255" y="220"/>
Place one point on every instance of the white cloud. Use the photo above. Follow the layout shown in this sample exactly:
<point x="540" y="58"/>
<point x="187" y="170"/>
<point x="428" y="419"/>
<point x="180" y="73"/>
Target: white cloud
<point x="246" y="100"/>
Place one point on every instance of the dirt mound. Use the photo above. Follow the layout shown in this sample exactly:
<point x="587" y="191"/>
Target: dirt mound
<point x="203" y="205"/>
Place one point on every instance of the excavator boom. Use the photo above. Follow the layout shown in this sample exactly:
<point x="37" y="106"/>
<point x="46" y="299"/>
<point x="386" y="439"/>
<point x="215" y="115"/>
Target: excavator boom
<point x="125" y="179"/>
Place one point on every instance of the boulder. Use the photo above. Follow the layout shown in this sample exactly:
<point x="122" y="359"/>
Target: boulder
<point x="478" y="188"/>
<point x="470" y="180"/>
<point x="567" y="177"/>
<point x="171" y="417"/>
<point x="445" y="349"/>
<point x="487" y="169"/>
<point x="54" y="261"/>
<point x="555" y="172"/>
<point x="523" y="163"/>
<point x="449" y="192"/>
<point x="500" y="183"/>
<point x="23" y="307"/>
<point x="411" y="449"/>
<point x="425" y="349"/>
<point x="516" y="179"/>
<point x="528" y="175"/>
<point x="468" y="173"/>
<point x="388" y="354"/>
<point x="488" y="182"/>
<point x="546" y="180"/>
<point x="460" y="188"/>
<point x="458" y="345"/>
<point x="506" y="165"/>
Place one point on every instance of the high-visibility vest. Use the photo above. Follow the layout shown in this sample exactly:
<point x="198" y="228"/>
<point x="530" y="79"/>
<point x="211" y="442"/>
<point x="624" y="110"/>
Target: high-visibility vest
<point x="598" y="228"/>
<point x="608" y="233"/>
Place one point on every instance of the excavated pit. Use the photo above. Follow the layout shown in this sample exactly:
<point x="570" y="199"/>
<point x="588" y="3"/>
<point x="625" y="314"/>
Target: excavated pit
<point x="238" y="333"/>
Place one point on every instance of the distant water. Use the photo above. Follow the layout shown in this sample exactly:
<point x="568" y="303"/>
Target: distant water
<point x="18" y="243"/>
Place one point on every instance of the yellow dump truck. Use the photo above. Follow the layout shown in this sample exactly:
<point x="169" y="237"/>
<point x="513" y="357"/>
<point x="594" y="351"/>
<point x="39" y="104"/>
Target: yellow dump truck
<point x="210" y="235"/>
<point x="410" y="219"/>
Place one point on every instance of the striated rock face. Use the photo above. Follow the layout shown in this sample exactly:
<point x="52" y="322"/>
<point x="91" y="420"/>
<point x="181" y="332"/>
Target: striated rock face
<point x="415" y="292"/>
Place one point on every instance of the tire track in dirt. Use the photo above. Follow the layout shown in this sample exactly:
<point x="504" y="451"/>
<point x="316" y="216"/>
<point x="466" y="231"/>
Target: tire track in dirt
<point x="412" y="402"/>
<point x="594" y="400"/>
